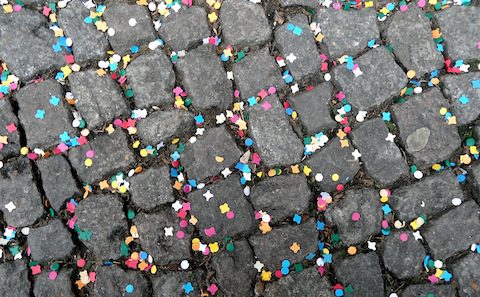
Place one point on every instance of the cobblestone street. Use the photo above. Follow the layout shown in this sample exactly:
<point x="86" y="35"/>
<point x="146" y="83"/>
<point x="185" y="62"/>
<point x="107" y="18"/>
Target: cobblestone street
<point x="239" y="148"/>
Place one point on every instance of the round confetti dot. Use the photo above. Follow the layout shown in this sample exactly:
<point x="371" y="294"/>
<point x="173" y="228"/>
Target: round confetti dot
<point x="285" y="263"/>
<point x="335" y="177"/>
<point x="111" y="31"/>
<point x="338" y="292"/>
<point x="393" y="295"/>
<point x="438" y="264"/>
<point x="418" y="90"/>
<point x="411" y="74"/>
<point x="456" y="201"/>
<point x="403" y="236"/>
<point x="318" y="177"/>
<point x="151" y="6"/>
<point x="90" y="154"/>
<point x="180" y="234"/>
<point x="356" y="216"/>
<point x="248" y="142"/>
<point x="88" y="162"/>
<point x="461" y="178"/>
<point x="327" y="77"/>
<point x="129" y="288"/>
<point x="184" y="264"/>
<point x="340" y="187"/>
<point x="418" y="174"/>
<point x="272" y="90"/>
<point x="81" y="263"/>
<point x="230" y="215"/>
<point x="52" y="275"/>
<point x="132" y="22"/>
<point x="24" y="150"/>
<point x="443" y="111"/>
<point x="352" y="250"/>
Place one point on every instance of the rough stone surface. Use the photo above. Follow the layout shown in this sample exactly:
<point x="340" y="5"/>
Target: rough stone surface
<point x="458" y="28"/>
<point x="170" y="284"/>
<point x="7" y="117"/>
<point x="34" y="99"/>
<point x="28" y="27"/>
<point x="363" y="273"/>
<point x="465" y="272"/>
<point x="208" y="213"/>
<point x="281" y="196"/>
<point x="273" y="137"/>
<point x="382" y="79"/>
<point x="57" y="180"/>
<point x="425" y="133"/>
<point x="332" y="159"/>
<point x="185" y="28"/>
<point x="111" y="155"/>
<point x="164" y="249"/>
<point x="159" y="126"/>
<point x="118" y="15"/>
<point x="244" y="23"/>
<point x="313" y="109"/>
<point x="99" y="99"/>
<point x="303" y="47"/>
<point x="50" y="242"/>
<point x="103" y="216"/>
<point x="411" y="37"/>
<point x="257" y="71"/>
<point x="426" y="289"/>
<point x="347" y="32"/>
<point x="152" y="79"/>
<point x="403" y="258"/>
<point x="60" y="286"/>
<point x="274" y="247"/>
<point x="454" y="231"/>
<point x="17" y="186"/>
<point x="151" y="188"/>
<point x="457" y="86"/>
<point x="14" y="276"/>
<point x="112" y="280"/>
<point x="366" y="203"/>
<point x="299" y="284"/>
<point x="435" y="193"/>
<point x="382" y="158"/>
<point x="235" y="271"/>
<point x="215" y="142"/>
<point x="308" y="3"/>
<point x="475" y="171"/>
<point x="71" y="20"/>
<point x="205" y="79"/>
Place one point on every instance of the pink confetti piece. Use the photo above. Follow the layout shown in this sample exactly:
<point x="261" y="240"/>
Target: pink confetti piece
<point x="210" y="232"/>
<point x="266" y="105"/>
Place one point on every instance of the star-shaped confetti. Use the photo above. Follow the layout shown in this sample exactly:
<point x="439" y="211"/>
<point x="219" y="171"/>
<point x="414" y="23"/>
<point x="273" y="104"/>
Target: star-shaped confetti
<point x="208" y="195"/>
<point x="10" y="206"/>
<point x="168" y="231"/>
<point x="390" y="137"/>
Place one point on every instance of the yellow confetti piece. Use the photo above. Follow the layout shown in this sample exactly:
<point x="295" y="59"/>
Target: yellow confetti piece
<point x="210" y="2"/>
<point x="266" y="276"/>
<point x="212" y="17"/>
<point x="66" y="71"/>
<point x="114" y="184"/>
<point x="134" y="231"/>
<point x="443" y="111"/>
<point x="101" y="26"/>
<point x="259" y="174"/>
<point x="411" y="74"/>
<point x="294" y="115"/>
<point x="217" y="5"/>
<point x="473" y="150"/>
<point x="344" y="143"/>
<point x="384" y="10"/>
<point x="122" y="189"/>
<point x="465" y="159"/>
<point x="153" y="270"/>
<point x="295" y="247"/>
<point x="352" y="250"/>
<point x="335" y="177"/>
<point x="436" y="167"/>
<point x="88" y="162"/>
<point x="136" y="144"/>
<point x="384" y="199"/>
<point x="193" y="220"/>
<point x="3" y="139"/>
<point x="58" y="32"/>
<point x="436" y="33"/>
<point x="214" y="247"/>
<point x="101" y="72"/>
<point x="368" y="4"/>
<point x="219" y="159"/>
<point x="306" y="170"/>
<point x="143" y="153"/>
<point x="295" y="169"/>
<point x="7" y="8"/>
<point x="175" y="140"/>
<point x="452" y="120"/>
<point x="224" y="208"/>
<point x="271" y="172"/>
<point x="24" y="150"/>
<point x="435" y="81"/>
<point x="103" y="185"/>
<point x="237" y="106"/>
<point x="242" y="125"/>
<point x="134" y="256"/>
<point x="142" y="2"/>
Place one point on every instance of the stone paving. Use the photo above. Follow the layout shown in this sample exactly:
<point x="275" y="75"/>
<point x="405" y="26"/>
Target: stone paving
<point x="239" y="148"/>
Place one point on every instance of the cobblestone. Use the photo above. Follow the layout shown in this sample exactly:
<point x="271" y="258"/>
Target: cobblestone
<point x="50" y="242"/>
<point x="457" y="88"/>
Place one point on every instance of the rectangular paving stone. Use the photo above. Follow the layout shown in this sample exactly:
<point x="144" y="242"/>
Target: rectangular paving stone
<point x="118" y="15"/>
<point x="281" y="196"/>
<point x="403" y="258"/>
<point x="465" y="272"/>
<point x="28" y="27"/>
<point x="152" y="79"/>
<point x="424" y="132"/>
<point x="161" y="125"/>
<point x="425" y="289"/>
<point x="19" y="193"/>
<point x="363" y="273"/>
<point x="364" y="202"/>
<point x="464" y="97"/>
<point x="205" y="79"/>
<point x="43" y="113"/>
<point x="454" y="231"/>
<point x="50" y="242"/>
<point x="274" y="138"/>
<point x="313" y="109"/>
<point x="244" y="23"/>
<point x="88" y="42"/>
<point x="102" y="216"/>
<point x="14" y="275"/>
<point x="302" y="46"/>
<point x="235" y="270"/>
<point x="382" y="79"/>
<point x="429" y="196"/>
<point x="168" y="284"/>
<point x="303" y="283"/>
<point x="458" y="26"/>
<point x="57" y="180"/>
<point x="347" y="32"/>
<point x="382" y="158"/>
<point x="257" y="71"/>
<point x="333" y="159"/>
<point x="10" y="139"/>
<point x="99" y="99"/>
<point x="151" y="188"/>
<point x="410" y="35"/>
<point x="200" y="158"/>
<point x="114" y="280"/>
<point x="60" y="286"/>
<point x="227" y="197"/>
<point x="184" y="28"/>
<point x="274" y="247"/>
<point x="308" y="3"/>
<point x="111" y="154"/>
<point x="155" y="240"/>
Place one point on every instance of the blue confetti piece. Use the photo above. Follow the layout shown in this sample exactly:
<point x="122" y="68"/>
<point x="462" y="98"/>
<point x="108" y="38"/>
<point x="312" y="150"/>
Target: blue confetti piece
<point x="192" y="182"/>
<point x="113" y="67"/>
<point x="188" y="288"/>
<point x="88" y="20"/>
<point x="297" y="219"/>
<point x="175" y="155"/>
<point x="386" y="116"/>
<point x="252" y="101"/>
<point x="476" y="84"/>
<point x="447" y="276"/>
<point x="285" y="270"/>
<point x="440" y="48"/>
<point x="129" y="289"/>
<point x="40" y="114"/>
<point x="54" y="100"/>
<point x="320" y="226"/>
<point x="458" y="63"/>
<point x="285" y="263"/>
<point x="290" y="27"/>
<point x="173" y="172"/>
<point x="327" y="258"/>
<point x="310" y="256"/>
<point x="134" y="49"/>
<point x="463" y="99"/>
<point x="297" y="31"/>
<point x="199" y="119"/>
<point x="64" y="137"/>
<point x="248" y="142"/>
<point x="57" y="47"/>
<point x="386" y="209"/>
<point x="371" y="43"/>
